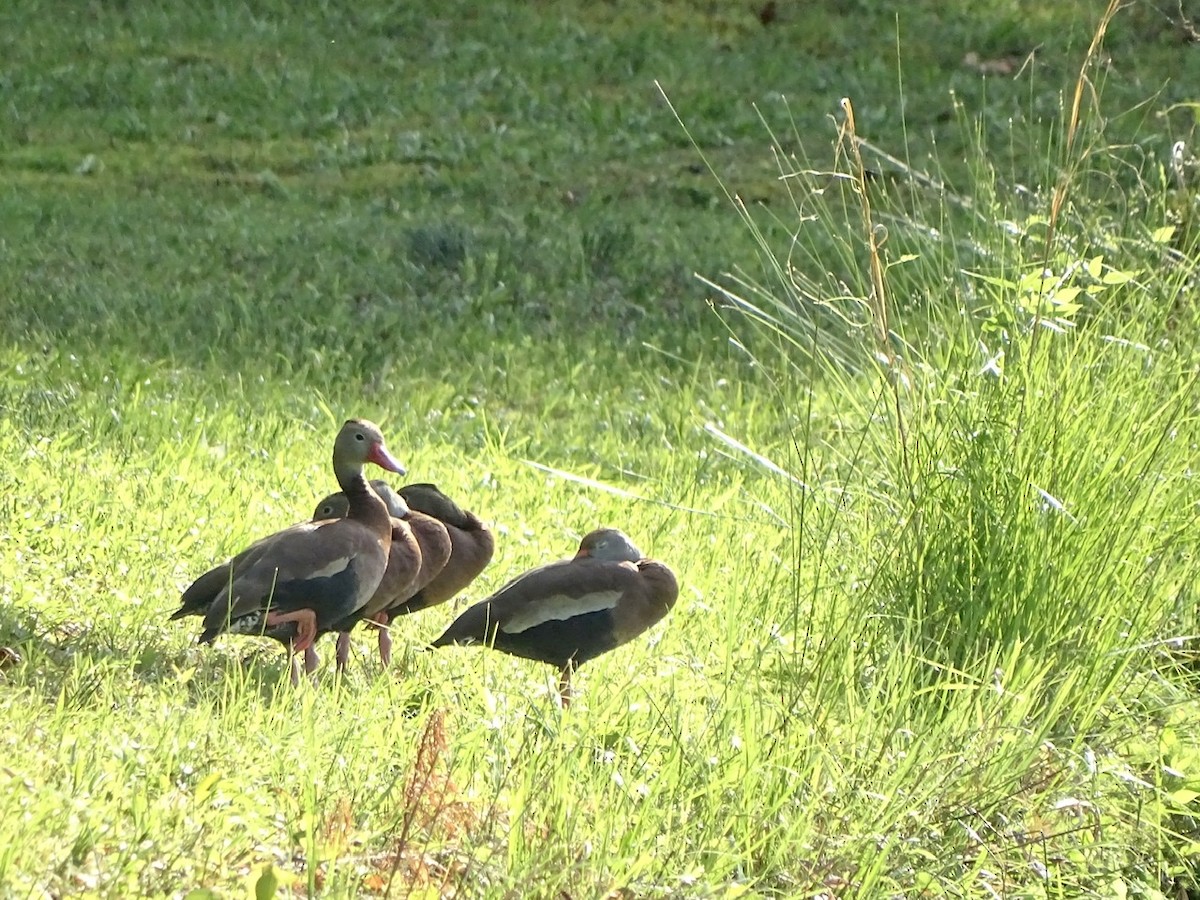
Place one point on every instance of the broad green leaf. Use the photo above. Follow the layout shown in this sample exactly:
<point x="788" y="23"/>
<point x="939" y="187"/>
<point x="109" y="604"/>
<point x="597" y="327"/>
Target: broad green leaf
<point x="1065" y="296"/>
<point x="1036" y="282"/>
<point x="1184" y="796"/>
<point x="267" y="884"/>
<point x="1118" y="277"/>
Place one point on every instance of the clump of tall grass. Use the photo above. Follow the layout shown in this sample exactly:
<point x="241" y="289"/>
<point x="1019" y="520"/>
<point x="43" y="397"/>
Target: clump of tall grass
<point x="985" y="564"/>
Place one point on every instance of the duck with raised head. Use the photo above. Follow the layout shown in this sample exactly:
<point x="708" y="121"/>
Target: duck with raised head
<point x="421" y="547"/>
<point x="571" y="611"/>
<point x="294" y="583"/>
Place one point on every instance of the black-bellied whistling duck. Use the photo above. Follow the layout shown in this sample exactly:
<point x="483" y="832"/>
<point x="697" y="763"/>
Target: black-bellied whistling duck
<point x="424" y="549"/>
<point x="568" y="612"/>
<point x="472" y="546"/>
<point x="300" y="580"/>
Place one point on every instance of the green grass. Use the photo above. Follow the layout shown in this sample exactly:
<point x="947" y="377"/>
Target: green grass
<point x="937" y="634"/>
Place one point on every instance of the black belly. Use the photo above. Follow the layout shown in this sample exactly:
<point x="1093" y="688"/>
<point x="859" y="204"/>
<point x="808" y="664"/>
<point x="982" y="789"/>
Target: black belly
<point x="331" y="597"/>
<point x="561" y="641"/>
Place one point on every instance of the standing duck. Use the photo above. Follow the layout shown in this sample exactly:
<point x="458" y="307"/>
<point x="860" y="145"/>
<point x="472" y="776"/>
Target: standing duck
<point x="421" y="547"/>
<point x="568" y="612"/>
<point x="471" y="547"/>
<point x="300" y="580"/>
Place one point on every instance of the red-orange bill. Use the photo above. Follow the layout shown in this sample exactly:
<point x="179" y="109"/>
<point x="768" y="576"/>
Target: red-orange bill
<point x="380" y="456"/>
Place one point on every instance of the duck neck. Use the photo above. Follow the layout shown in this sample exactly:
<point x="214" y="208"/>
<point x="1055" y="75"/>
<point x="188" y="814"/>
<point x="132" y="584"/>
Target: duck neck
<point x="446" y="510"/>
<point x="365" y="504"/>
<point x="453" y="514"/>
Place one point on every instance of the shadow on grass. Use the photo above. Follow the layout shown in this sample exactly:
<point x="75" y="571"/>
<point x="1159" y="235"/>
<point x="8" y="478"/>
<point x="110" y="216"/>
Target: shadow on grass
<point x="72" y="664"/>
<point x="80" y="668"/>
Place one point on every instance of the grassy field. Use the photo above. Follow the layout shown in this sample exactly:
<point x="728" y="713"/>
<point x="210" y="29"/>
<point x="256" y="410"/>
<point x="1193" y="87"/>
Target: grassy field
<point x="907" y="400"/>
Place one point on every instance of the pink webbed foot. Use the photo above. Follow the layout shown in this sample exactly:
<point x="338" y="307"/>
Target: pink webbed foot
<point x="306" y="626"/>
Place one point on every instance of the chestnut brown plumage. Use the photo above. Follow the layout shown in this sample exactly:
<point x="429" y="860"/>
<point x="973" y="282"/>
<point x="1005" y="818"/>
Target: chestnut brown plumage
<point x="421" y="547"/>
<point x="568" y="612"/>
<point x="290" y="585"/>
<point x="472" y="545"/>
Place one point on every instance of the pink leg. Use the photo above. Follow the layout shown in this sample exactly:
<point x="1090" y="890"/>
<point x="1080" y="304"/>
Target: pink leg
<point x="311" y="660"/>
<point x="385" y="639"/>
<point x="564" y="686"/>
<point x="343" y="650"/>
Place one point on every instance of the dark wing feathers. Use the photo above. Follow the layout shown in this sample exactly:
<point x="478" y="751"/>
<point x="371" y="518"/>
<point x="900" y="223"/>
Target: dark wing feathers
<point x="330" y="566"/>
<point x="561" y="592"/>
<point x="568" y="612"/>
<point x="331" y="596"/>
<point x="204" y="590"/>
<point x="658" y="591"/>
<point x="197" y="598"/>
<point x="555" y="641"/>
<point x="573" y="579"/>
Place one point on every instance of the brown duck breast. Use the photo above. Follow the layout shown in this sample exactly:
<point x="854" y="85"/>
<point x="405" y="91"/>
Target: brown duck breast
<point x="421" y="546"/>
<point x="472" y="545"/>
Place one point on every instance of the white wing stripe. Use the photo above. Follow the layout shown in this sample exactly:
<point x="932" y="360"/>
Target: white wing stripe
<point x="337" y="565"/>
<point x="560" y="607"/>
